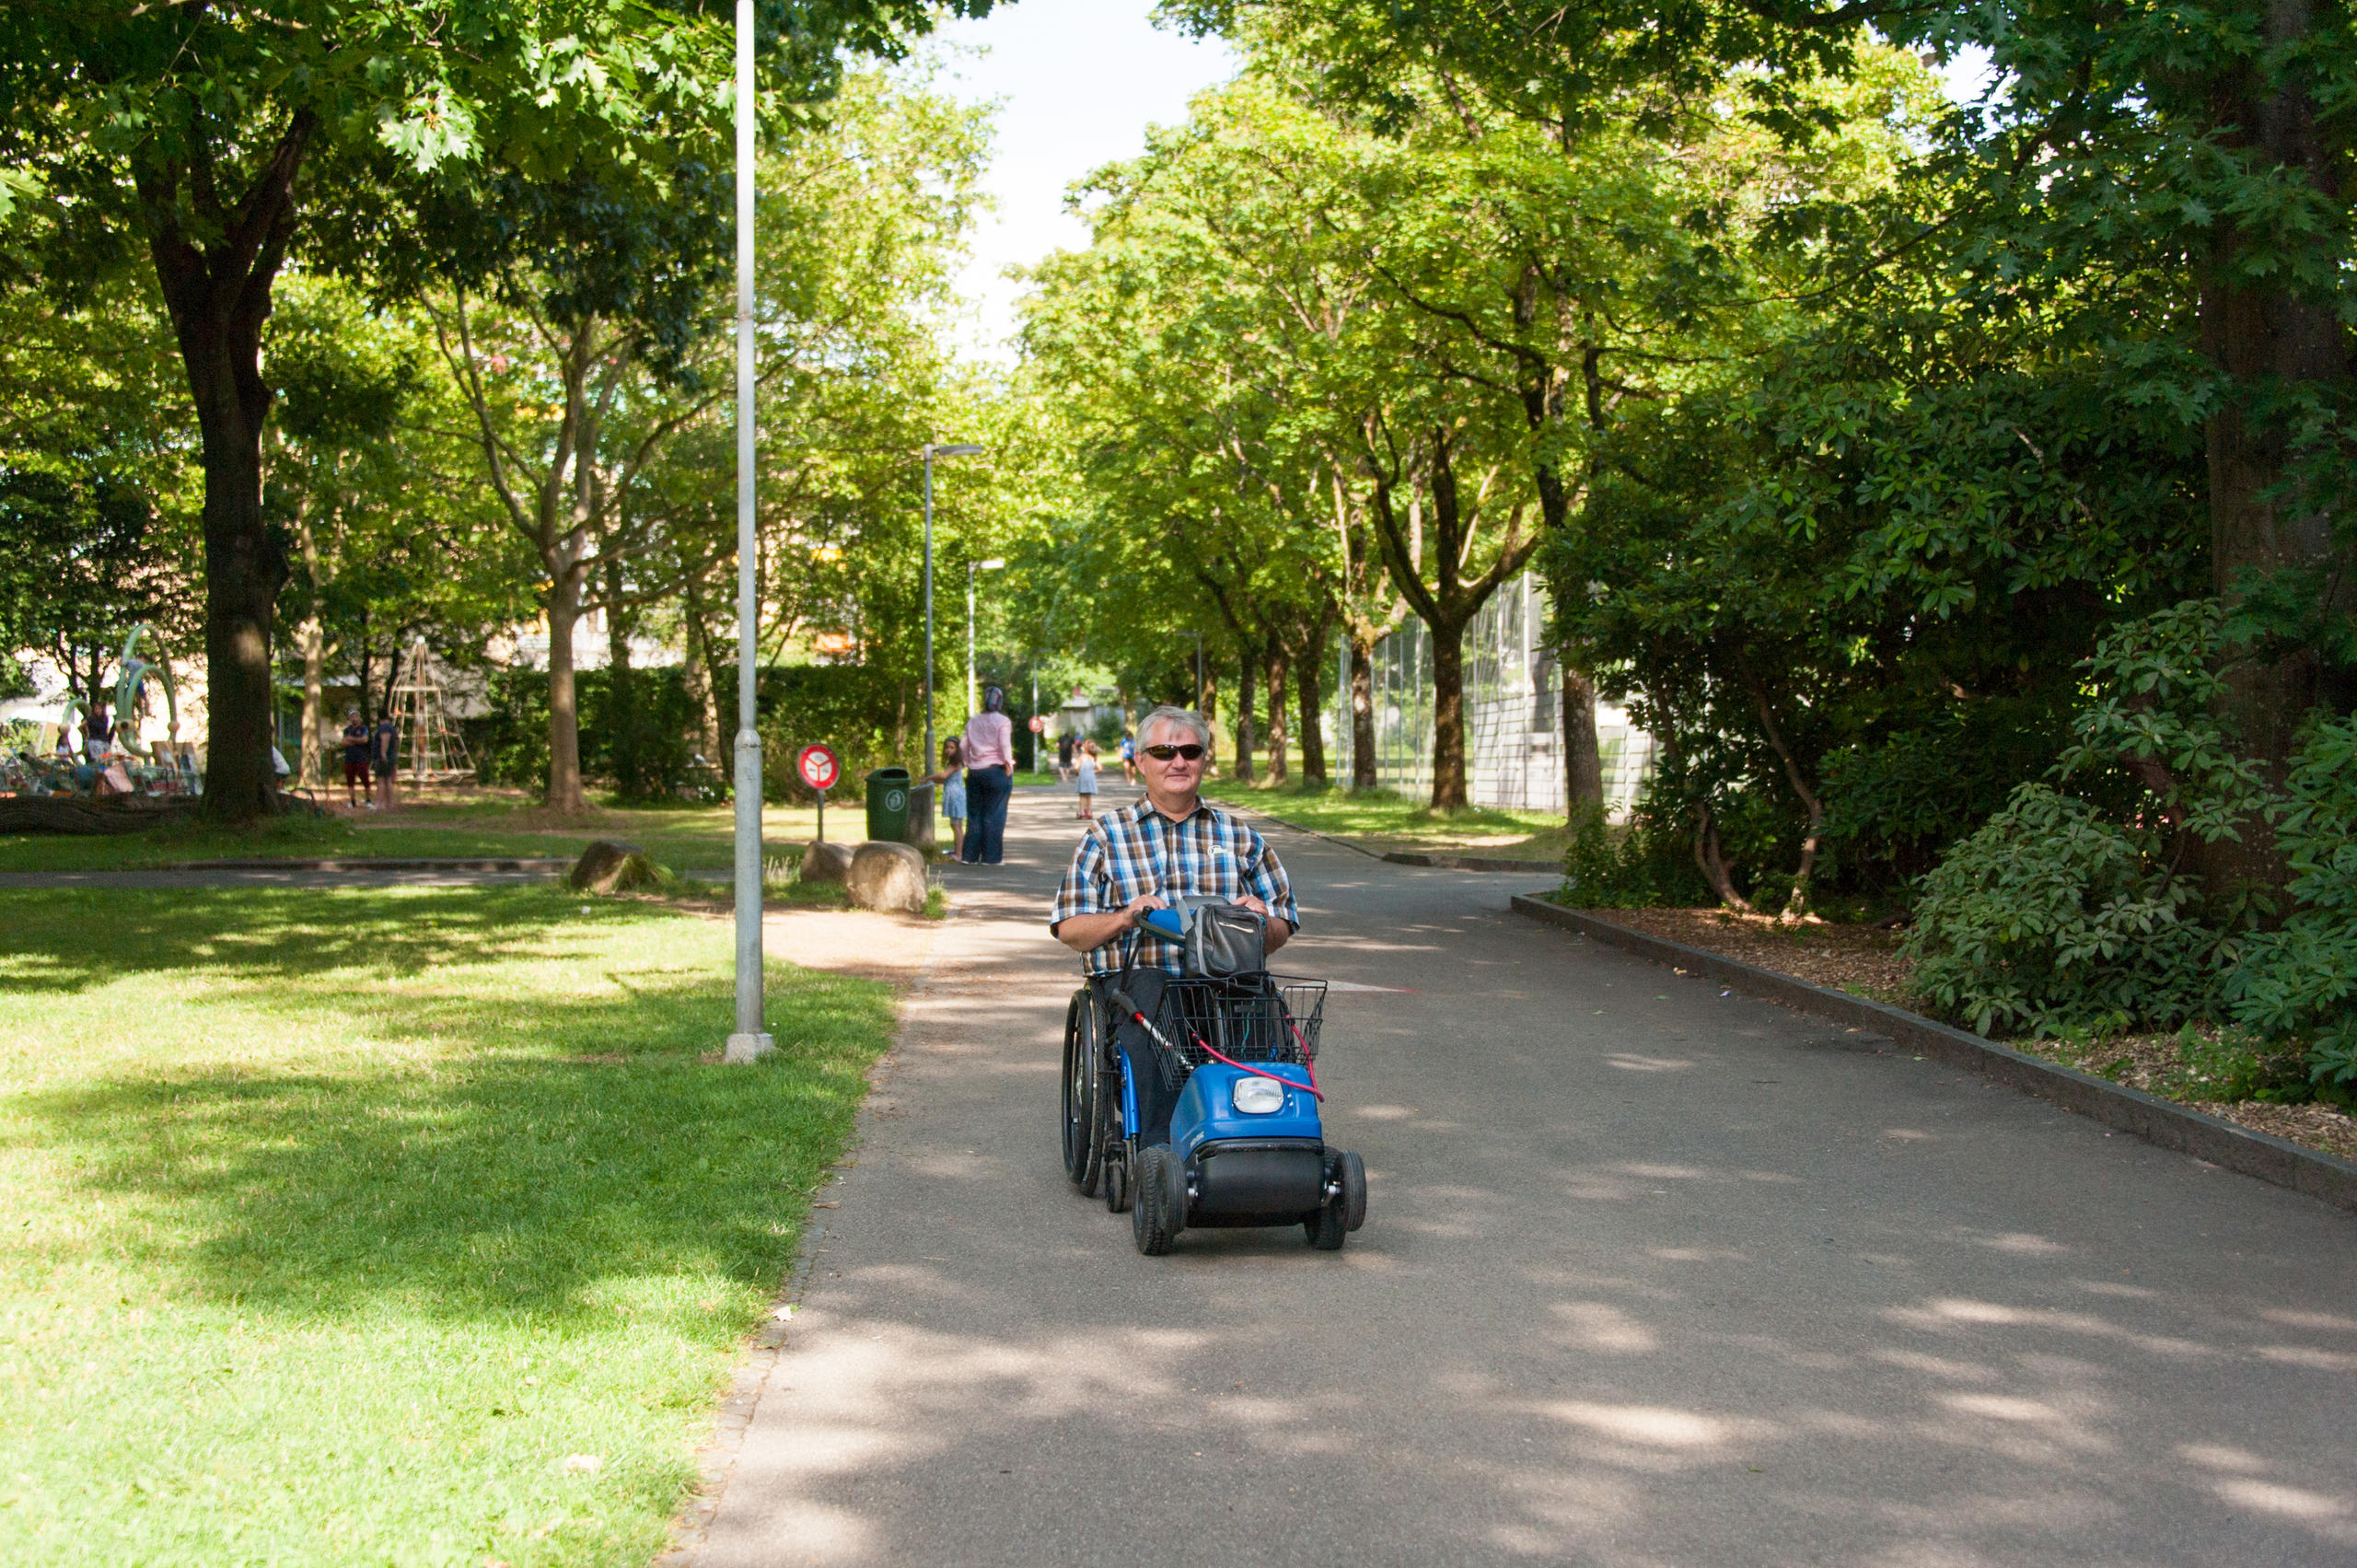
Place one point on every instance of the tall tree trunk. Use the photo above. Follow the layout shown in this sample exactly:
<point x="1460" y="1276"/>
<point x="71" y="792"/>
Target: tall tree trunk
<point x="695" y="671"/>
<point x="620" y="719"/>
<point x="311" y="638"/>
<point x="1311" y="690"/>
<point x="1583" y="756"/>
<point x="1279" y="769"/>
<point x="215" y="278"/>
<point x="368" y="668"/>
<point x="565" y="714"/>
<point x="1448" y="717"/>
<point x="393" y="677"/>
<point x="1244" y="739"/>
<point x="1363" y="773"/>
<point x="2261" y="332"/>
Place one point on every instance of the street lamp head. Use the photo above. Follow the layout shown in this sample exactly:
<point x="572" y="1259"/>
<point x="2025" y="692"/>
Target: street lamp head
<point x="964" y="449"/>
<point x="989" y="565"/>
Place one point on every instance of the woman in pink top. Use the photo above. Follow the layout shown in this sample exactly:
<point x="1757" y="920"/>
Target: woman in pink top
<point x="989" y="748"/>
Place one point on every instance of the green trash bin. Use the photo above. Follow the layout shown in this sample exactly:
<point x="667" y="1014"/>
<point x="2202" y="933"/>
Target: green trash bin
<point x="888" y="804"/>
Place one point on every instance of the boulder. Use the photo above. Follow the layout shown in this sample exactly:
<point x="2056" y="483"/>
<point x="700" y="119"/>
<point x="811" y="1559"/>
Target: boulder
<point x="887" y="875"/>
<point x="610" y="866"/>
<point x="824" y="862"/>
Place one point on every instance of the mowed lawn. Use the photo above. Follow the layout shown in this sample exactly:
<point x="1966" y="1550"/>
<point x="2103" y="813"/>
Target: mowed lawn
<point x="1381" y="820"/>
<point x="475" y="823"/>
<point x="402" y="1226"/>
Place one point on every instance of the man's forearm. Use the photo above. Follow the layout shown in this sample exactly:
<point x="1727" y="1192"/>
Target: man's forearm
<point x="1083" y="932"/>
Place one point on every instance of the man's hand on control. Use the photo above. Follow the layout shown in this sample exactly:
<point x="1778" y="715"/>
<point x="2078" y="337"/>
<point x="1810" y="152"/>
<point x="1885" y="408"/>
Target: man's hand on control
<point x="1133" y="914"/>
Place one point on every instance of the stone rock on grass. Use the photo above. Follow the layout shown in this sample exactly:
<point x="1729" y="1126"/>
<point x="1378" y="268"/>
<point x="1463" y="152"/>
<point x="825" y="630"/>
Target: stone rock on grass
<point x="886" y="875"/>
<point x="610" y="866"/>
<point x="824" y="862"/>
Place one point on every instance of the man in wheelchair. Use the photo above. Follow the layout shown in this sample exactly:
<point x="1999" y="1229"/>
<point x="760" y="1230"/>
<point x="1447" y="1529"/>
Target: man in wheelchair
<point x="1168" y="848"/>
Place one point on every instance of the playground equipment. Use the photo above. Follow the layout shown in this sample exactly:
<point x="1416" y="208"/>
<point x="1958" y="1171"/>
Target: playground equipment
<point x="420" y="708"/>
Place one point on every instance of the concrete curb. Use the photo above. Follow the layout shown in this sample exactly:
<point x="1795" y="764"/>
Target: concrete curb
<point x="390" y="864"/>
<point x="2151" y="1118"/>
<point x="1475" y="863"/>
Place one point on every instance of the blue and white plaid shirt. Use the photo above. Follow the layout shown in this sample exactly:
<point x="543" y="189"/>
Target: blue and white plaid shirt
<point x="1137" y="850"/>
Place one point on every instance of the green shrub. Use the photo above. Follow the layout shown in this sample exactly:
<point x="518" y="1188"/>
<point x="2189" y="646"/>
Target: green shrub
<point x="2298" y="983"/>
<point x="1649" y="867"/>
<point x="2049" y="918"/>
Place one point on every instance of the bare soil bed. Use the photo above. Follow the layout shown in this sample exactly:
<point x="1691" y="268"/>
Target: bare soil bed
<point x="1863" y="960"/>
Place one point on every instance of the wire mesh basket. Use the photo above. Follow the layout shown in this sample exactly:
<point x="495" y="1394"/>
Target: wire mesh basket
<point x="1263" y="1018"/>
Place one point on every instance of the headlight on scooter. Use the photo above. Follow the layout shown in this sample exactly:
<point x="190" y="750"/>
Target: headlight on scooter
<point x="1259" y="1097"/>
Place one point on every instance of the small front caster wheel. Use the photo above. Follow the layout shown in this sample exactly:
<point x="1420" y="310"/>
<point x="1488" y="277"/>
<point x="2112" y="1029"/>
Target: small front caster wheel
<point x="1150" y="1220"/>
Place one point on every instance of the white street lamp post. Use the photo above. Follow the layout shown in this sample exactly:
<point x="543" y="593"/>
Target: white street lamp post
<point x="930" y="452"/>
<point x="973" y="699"/>
<point x="749" y="1040"/>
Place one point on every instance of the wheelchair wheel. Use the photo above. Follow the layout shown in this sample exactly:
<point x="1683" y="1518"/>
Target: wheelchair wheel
<point x="1084" y="1096"/>
<point x="1117" y="1177"/>
<point x="1151" y="1221"/>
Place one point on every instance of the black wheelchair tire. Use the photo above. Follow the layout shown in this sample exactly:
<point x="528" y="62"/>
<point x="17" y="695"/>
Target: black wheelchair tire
<point x="1117" y="1180"/>
<point x="1084" y="1096"/>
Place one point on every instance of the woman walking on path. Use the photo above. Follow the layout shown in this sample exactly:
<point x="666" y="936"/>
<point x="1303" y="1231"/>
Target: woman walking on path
<point x="1084" y="782"/>
<point x="989" y="749"/>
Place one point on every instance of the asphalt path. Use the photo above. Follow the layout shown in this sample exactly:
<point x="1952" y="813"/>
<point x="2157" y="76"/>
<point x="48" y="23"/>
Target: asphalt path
<point x="1650" y="1275"/>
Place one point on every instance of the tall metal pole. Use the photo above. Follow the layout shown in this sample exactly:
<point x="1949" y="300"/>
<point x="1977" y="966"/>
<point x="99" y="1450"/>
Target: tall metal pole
<point x="749" y="1040"/>
<point x="930" y="751"/>
<point x="973" y="698"/>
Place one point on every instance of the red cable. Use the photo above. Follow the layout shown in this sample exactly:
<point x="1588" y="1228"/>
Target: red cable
<point x="1260" y="1069"/>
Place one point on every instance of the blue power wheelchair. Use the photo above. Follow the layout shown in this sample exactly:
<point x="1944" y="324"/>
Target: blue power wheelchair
<point x="1237" y="1048"/>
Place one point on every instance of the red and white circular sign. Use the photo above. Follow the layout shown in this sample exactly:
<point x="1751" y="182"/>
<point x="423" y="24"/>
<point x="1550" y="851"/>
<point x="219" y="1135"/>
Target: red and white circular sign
<point x="819" y="768"/>
<point x="1039" y="724"/>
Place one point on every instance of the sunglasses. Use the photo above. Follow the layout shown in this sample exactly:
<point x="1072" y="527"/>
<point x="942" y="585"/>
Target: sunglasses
<point x="1164" y="753"/>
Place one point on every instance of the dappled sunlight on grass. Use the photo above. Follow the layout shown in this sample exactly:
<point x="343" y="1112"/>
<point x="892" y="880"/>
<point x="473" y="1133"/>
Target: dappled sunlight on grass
<point x="343" y="1217"/>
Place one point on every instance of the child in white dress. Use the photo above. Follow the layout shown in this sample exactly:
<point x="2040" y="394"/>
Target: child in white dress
<point x="1085" y="779"/>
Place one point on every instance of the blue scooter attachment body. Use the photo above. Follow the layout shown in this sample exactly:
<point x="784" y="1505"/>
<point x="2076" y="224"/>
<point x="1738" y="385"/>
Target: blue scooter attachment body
<point x="1245" y="1167"/>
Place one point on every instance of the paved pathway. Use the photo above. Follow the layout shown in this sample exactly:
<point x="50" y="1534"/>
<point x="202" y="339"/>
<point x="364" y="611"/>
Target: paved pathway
<point x="1651" y="1276"/>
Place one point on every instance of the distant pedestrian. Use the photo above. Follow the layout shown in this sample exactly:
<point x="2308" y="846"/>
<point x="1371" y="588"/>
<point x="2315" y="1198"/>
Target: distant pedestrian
<point x="1063" y="758"/>
<point x="385" y="758"/>
<point x="355" y="758"/>
<point x="989" y="749"/>
<point x="1084" y="782"/>
<point x="1129" y="758"/>
<point x="952" y="780"/>
<point x="98" y="733"/>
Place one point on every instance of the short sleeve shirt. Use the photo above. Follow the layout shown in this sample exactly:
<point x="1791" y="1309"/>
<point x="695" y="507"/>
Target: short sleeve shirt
<point x="1137" y="850"/>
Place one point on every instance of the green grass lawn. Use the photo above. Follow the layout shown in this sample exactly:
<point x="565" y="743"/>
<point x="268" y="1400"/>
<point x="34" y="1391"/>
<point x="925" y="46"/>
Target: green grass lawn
<point x="1382" y="820"/>
<point x="401" y="1227"/>
<point x="684" y="838"/>
<point x="479" y="824"/>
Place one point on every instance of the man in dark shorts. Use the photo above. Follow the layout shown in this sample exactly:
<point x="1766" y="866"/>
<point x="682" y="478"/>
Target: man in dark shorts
<point x="355" y="757"/>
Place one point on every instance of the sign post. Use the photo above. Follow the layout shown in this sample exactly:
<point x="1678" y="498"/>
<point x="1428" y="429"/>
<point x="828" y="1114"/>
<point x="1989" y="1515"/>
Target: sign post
<point x="750" y="1039"/>
<point x="822" y="770"/>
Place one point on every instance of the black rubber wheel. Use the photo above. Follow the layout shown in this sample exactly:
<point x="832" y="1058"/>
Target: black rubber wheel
<point x="1325" y="1228"/>
<point x="1150" y="1216"/>
<point x="1083" y="1095"/>
<point x="1350" y="1171"/>
<point x="1117" y="1179"/>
